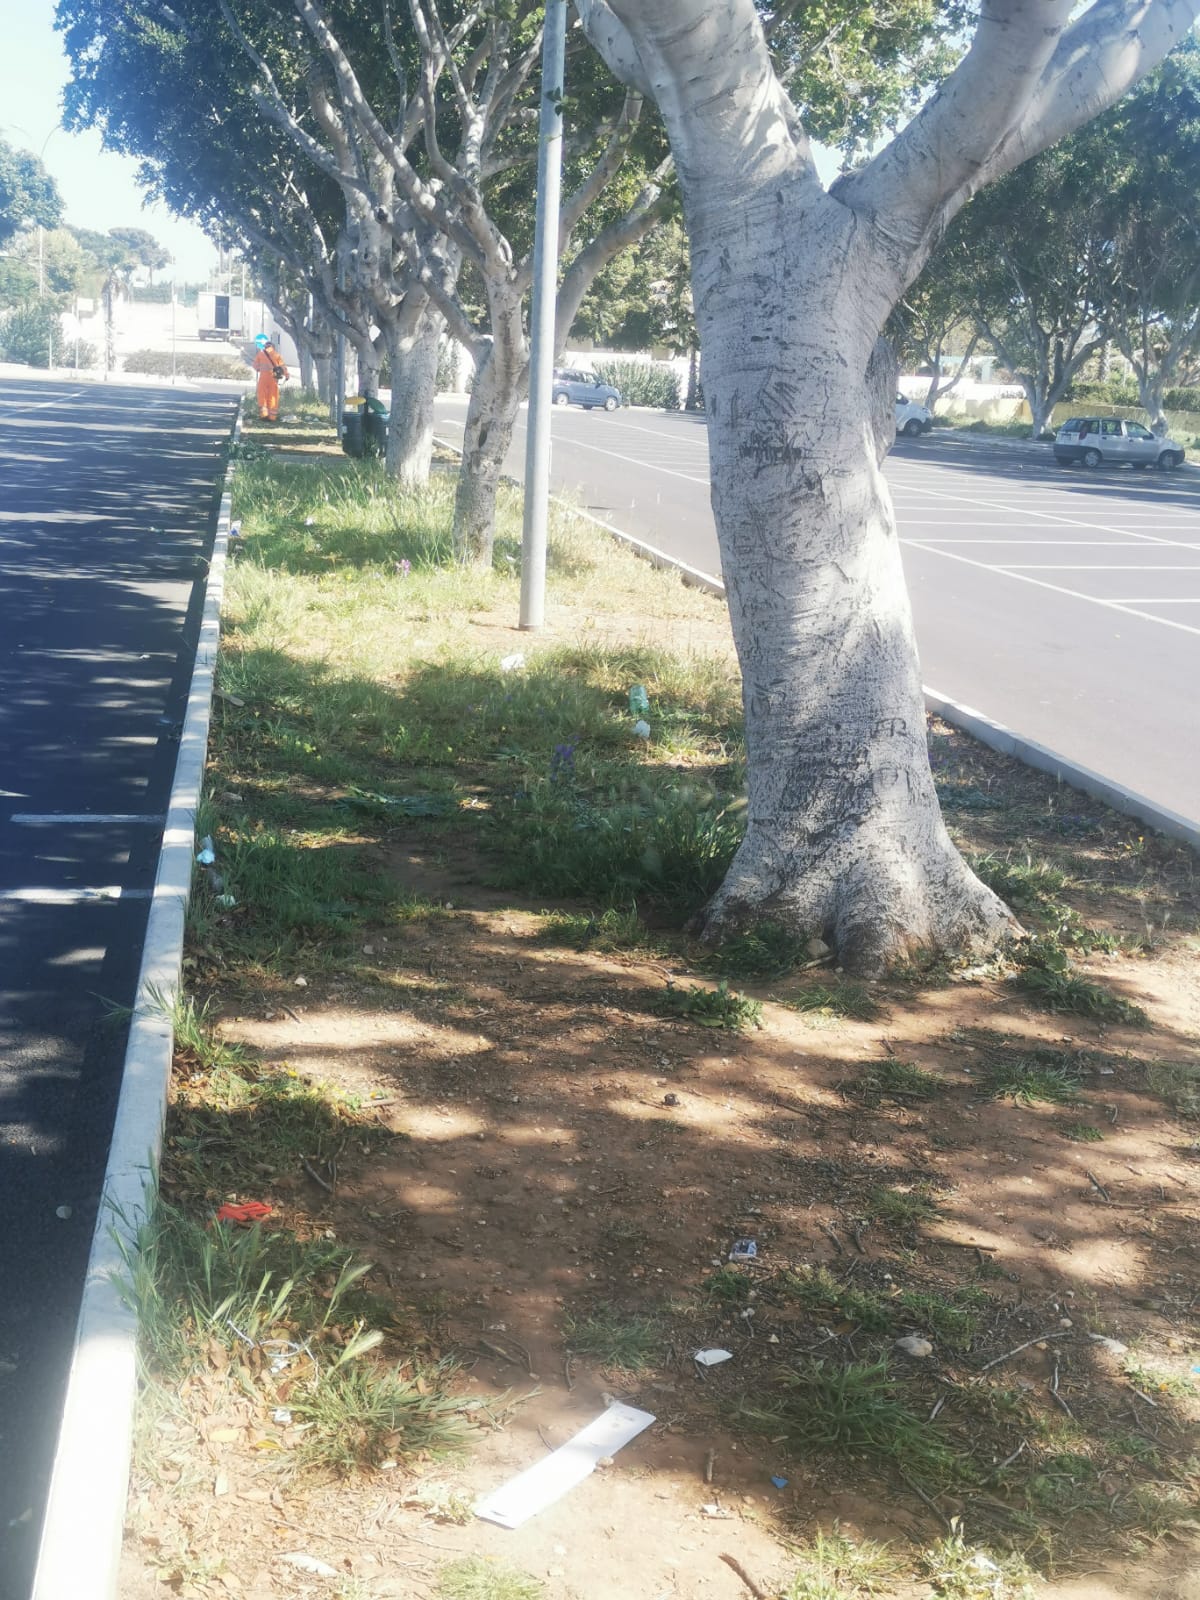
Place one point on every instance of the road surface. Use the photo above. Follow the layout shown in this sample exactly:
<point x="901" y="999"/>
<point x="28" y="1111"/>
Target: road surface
<point x="1062" y="603"/>
<point x="107" y="508"/>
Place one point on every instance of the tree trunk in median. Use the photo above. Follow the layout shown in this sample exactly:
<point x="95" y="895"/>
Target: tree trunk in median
<point x="501" y="376"/>
<point x="413" y="359"/>
<point x="844" y="837"/>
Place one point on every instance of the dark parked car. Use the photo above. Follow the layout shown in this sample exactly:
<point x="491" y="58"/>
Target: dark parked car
<point x="584" y="389"/>
<point x="1092" y="440"/>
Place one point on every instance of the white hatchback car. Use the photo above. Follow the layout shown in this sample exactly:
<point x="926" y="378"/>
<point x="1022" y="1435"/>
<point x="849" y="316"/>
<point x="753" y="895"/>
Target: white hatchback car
<point x="912" y="418"/>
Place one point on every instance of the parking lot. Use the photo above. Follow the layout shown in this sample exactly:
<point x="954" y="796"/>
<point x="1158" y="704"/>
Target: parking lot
<point x="1062" y="602"/>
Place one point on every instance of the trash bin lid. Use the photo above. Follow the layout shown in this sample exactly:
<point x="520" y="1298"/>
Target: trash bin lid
<point x="378" y="407"/>
<point x="354" y="400"/>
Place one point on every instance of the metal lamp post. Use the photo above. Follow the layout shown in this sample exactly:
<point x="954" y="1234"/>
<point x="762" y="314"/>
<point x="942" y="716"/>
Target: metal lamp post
<point x="545" y="294"/>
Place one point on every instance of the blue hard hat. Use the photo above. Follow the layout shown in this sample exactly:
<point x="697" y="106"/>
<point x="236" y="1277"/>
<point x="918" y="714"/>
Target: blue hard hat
<point x="261" y="340"/>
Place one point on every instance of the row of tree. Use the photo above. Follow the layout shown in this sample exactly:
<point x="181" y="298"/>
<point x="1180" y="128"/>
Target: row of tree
<point x="1091" y="246"/>
<point x="381" y="163"/>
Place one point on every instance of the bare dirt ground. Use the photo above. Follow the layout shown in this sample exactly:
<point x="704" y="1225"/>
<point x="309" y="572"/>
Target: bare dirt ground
<point x="564" y="1149"/>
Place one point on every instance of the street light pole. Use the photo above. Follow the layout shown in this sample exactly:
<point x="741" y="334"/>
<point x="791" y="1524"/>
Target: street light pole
<point x="541" y="319"/>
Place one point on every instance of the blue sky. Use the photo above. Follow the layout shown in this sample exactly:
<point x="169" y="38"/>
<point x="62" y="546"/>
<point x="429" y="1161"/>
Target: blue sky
<point x="98" y="188"/>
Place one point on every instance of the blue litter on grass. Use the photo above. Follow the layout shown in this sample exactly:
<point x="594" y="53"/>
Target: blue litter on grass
<point x="780" y="1483"/>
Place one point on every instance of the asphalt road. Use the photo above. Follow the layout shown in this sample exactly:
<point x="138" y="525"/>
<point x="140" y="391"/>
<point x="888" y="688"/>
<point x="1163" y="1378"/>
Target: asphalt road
<point x="1061" y="602"/>
<point x="107" y="508"/>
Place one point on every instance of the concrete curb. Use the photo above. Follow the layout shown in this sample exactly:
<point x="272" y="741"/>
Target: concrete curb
<point x="997" y="737"/>
<point x="80" y="1545"/>
<point x="980" y="726"/>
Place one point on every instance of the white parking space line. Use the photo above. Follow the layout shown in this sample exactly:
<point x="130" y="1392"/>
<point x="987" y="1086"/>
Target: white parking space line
<point x="635" y="461"/>
<point x="1087" y="566"/>
<point x="40" y="819"/>
<point x="22" y="408"/>
<point x="70" y="897"/>
<point x="1059" y="519"/>
<point x="1128" y="608"/>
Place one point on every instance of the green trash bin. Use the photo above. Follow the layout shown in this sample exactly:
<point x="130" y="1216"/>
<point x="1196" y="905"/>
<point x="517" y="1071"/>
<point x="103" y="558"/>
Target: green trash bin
<point x="353" y="436"/>
<point x="375" y="429"/>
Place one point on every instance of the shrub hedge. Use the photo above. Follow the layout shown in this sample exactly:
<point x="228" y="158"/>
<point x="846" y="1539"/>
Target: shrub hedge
<point x="642" y="383"/>
<point x="189" y="364"/>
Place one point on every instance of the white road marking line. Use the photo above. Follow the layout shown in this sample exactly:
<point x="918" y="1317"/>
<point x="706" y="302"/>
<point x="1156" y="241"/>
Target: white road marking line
<point x="22" y="409"/>
<point x="71" y="897"/>
<point x="1055" y="588"/>
<point x="1195" y="601"/>
<point x="1048" y="544"/>
<point x="1052" y="566"/>
<point x="35" y="819"/>
<point x="635" y="461"/>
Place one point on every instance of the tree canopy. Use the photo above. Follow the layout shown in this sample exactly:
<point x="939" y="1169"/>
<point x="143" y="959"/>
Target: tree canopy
<point x="28" y="194"/>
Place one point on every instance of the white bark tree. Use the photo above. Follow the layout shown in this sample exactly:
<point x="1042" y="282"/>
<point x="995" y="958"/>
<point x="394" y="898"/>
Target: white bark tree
<point x="792" y="287"/>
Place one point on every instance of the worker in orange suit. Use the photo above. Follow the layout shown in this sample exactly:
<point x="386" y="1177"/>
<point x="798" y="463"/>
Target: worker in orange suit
<point x="268" y="363"/>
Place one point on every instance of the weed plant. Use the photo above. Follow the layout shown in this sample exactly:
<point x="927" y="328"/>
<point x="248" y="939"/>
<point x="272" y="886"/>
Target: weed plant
<point x="905" y="1209"/>
<point x="615" y="929"/>
<point x="359" y="1415"/>
<point x="721" y="1007"/>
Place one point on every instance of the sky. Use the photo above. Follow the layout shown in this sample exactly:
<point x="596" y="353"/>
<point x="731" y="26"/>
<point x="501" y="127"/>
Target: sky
<point x="99" y="188"/>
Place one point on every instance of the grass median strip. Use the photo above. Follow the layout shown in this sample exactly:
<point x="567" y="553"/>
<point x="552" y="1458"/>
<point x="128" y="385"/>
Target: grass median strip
<point x="449" y="1026"/>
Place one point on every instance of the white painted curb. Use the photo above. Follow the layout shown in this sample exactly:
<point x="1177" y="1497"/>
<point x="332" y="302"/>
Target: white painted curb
<point x="80" y="1546"/>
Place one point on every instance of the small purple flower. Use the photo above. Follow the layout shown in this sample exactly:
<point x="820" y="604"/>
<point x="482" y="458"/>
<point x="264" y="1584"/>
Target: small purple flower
<point x="562" y="762"/>
<point x="403" y="567"/>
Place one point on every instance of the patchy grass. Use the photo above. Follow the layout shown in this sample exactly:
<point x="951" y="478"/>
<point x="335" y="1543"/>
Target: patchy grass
<point x="855" y="1409"/>
<point x="620" y="1341"/>
<point x="480" y="1578"/>
<point x="615" y="929"/>
<point x="904" y="1209"/>
<point x="1178" y="1083"/>
<point x="767" y="951"/>
<point x="832" y="1566"/>
<point x="898" y="1080"/>
<point x="843" y="999"/>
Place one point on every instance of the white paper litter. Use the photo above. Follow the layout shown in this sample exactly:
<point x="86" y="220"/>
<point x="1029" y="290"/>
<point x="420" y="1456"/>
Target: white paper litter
<point x="307" y="1563"/>
<point x="532" y="1491"/>
<point x="713" y="1358"/>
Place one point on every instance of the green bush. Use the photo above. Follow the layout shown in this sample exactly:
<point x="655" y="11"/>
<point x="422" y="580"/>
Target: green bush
<point x="1182" y="400"/>
<point x="642" y="383"/>
<point x="31" y="334"/>
<point x="161" y="364"/>
<point x="1113" y="392"/>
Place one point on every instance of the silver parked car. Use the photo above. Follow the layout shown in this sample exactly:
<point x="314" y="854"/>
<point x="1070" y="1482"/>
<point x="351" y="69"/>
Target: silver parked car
<point x="1092" y="440"/>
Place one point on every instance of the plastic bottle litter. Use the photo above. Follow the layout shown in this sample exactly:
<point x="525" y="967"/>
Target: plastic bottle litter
<point x="206" y="855"/>
<point x="743" y="1250"/>
<point x="642" y="729"/>
<point x="235" y="530"/>
<point x="512" y="663"/>
<point x="639" y="701"/>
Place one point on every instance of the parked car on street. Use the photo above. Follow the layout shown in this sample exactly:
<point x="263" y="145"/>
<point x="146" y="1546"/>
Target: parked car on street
<point x="1091" y="440"/>
<point x="912" y="418"/>
<point x="572" y="387"/>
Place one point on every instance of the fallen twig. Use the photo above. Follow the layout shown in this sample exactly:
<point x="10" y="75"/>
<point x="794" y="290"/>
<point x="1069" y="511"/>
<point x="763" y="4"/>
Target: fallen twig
<point x="936" y="1509"/>
<point x="568" y="1375"/>
<point x="827" y="1228"/>
<point x="1040" y="1338"/>
<point x="1099" y="1187"/>
<point x="709" y="1461"/>
<point x="756" y="1589"/>
<point x="1055" y="1394"/>
<point x="1008" y="1460"/>
<point x="315" y="1175"/>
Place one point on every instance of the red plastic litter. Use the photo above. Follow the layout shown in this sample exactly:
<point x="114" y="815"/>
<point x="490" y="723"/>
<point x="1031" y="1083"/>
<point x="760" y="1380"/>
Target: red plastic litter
<point x="252" y="1211"/>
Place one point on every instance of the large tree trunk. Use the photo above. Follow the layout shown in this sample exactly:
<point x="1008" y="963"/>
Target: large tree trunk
<point x="845" y="837"/>
<point x="413" y="358"/>
<point x="500" y="379"/>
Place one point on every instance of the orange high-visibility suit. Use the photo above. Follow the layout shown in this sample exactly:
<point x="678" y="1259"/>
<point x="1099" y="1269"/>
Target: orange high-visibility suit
<point x="268" y="363"/>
